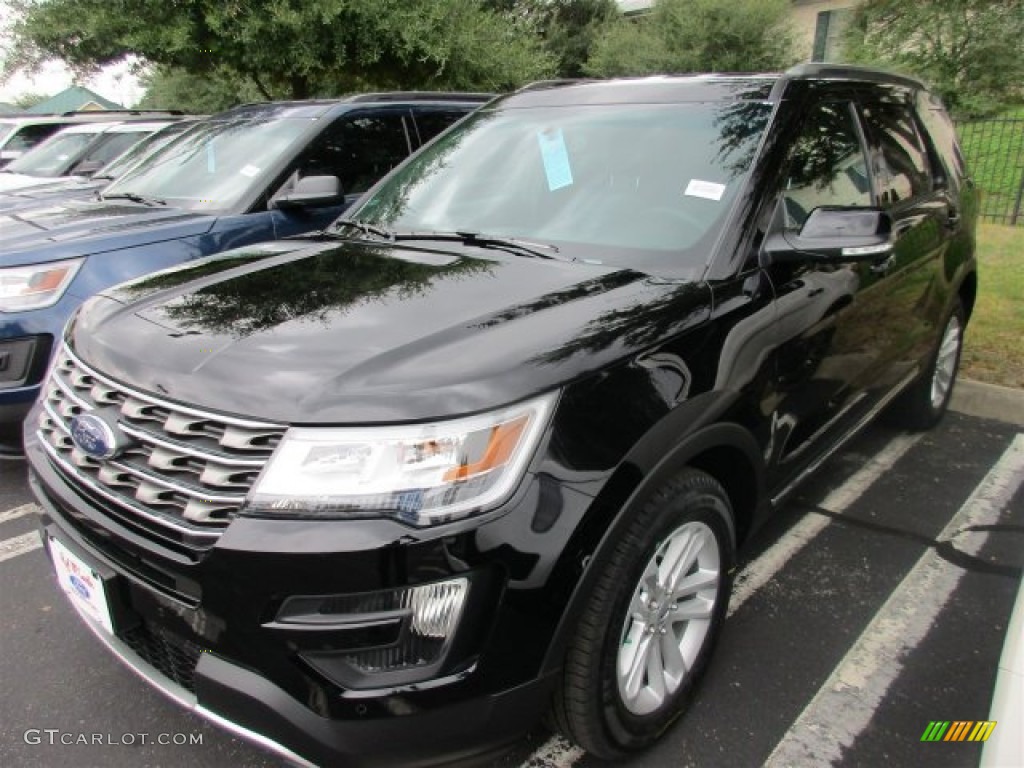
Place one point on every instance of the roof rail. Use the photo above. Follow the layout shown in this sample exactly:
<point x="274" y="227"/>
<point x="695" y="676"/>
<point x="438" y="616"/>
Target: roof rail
<point x="419" y="96"/>
<point x="538" y="85"/>
<point x="827" y="71"/>
<point x="91" y="112"/>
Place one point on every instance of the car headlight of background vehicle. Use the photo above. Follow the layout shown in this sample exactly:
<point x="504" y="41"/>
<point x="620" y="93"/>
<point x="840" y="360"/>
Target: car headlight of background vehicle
<point x="36" y="286"/>
<point x="422" y="474"/>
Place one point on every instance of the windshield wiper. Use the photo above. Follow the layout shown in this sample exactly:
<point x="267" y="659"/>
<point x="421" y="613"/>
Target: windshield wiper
<point x="366" y="229"/>
<point x="515" y="244"/>
<point x="135" y="198"/>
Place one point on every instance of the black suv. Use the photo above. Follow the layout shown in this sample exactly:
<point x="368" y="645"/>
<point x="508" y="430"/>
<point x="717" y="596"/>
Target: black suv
<point x="487" y="447"/>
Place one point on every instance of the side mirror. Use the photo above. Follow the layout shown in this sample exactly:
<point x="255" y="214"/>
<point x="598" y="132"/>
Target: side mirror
<point x="835" y="234"/>
<point x="312" y="192"/>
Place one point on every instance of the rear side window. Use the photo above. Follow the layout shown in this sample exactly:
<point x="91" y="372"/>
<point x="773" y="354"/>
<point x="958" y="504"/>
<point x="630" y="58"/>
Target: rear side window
<point x="827" y="165"/>
<point x="429" y="124"/>
<point x="902" y="162"/>
<point x="939" y="126"/>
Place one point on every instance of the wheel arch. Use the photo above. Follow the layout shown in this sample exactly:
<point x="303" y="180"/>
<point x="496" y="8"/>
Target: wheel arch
<point x="726" y="451"/>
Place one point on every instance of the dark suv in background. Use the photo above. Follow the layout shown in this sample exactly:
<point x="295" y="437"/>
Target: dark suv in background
<point x="255" y="173"/>
<point x="488" y="448"/>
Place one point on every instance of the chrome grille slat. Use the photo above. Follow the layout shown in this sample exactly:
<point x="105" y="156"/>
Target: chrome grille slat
<point x="188" y="490"/>
<point x="183" y="448"/>
<point x="188" y="470"/>
<point x="120" y="500"/>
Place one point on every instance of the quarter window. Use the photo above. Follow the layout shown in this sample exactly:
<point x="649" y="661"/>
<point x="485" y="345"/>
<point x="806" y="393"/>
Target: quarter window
<point x="429" y="124"/>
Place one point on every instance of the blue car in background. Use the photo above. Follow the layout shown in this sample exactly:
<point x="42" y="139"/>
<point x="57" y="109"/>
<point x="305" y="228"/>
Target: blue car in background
<point x="255" y="173"/>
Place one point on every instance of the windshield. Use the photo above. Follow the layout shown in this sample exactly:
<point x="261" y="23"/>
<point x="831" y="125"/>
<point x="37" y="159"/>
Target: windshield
<point x="213" y="166"/>
<point x="147" y="146"/>
<point x="53" y="157"/>
<point x="633" y="185"/>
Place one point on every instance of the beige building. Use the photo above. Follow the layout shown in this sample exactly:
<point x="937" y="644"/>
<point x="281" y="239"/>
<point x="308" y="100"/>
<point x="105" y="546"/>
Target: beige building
<point x="819" y="27"/>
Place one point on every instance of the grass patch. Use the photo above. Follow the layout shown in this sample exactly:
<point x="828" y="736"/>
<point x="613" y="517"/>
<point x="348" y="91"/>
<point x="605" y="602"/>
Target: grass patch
<point x="994" y="344"/>
<point x="994" y="150"/>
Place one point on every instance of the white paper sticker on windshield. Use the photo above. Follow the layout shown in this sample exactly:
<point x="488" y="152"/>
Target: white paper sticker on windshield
<point x="250" y="171"/>
<point x="709" y="190"/>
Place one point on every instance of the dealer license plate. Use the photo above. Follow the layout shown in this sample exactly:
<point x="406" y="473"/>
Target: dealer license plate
<point x="82" y="584"/>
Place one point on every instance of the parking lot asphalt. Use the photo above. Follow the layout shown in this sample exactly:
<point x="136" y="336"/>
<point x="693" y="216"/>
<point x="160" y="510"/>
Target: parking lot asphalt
<point x="874" y="602"/>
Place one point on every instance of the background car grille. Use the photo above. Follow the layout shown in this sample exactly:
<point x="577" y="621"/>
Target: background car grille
<point x="186" y="469"/>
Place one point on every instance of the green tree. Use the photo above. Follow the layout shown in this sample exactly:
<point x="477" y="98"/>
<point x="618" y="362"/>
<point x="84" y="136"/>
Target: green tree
<point x="971" y="51"/>
<point x="27" y="100"/>
<point x="567" y="28"/>
<point x="696" y="36"/>
<point x="289" y="48"/>
<point x="168" y="88"/>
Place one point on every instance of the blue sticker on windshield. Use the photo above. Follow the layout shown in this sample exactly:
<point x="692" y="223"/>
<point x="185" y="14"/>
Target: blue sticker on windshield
<point x="556" y="159"/>
<point x="211" y="161"/>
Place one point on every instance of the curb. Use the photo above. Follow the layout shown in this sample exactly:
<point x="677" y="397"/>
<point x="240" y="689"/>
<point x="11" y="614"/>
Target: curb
<point x="988" y="401"/>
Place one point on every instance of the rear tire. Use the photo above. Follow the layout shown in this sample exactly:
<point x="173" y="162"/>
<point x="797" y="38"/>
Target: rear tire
<point x="927" y="399"/>
<point x="650" y="622"/>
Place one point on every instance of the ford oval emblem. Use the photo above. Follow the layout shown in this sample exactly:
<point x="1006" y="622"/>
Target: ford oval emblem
<point x="94" y="436"/>
<point x="79" y="586"/>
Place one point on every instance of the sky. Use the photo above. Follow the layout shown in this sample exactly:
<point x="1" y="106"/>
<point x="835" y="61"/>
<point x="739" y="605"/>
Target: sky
<point x="116" y="83"/>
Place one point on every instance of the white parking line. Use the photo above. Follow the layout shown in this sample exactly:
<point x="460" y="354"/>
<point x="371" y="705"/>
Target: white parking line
<point x="16" y="512"/>
<point x="758" y="572"/>
<point x="19" y="545"/>
<point x="844" y="705"/>
<point x="559" y="753"/>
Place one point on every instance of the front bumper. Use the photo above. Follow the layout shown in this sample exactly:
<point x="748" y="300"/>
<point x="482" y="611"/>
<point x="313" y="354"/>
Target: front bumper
<point x="200" y="627"/>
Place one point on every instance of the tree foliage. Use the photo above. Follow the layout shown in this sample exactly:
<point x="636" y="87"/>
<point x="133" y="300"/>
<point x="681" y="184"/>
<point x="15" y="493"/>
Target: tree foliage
<point x="290" y="48"/>
<point x="696" y="36"/>
<point x="26" y="100"/>
<point x="168" y="88"/>
<point x="567" y="28"/>
<point x="971" y="51"/>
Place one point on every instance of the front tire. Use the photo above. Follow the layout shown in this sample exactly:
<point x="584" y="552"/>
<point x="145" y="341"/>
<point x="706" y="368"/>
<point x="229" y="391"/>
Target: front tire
<point x="648" y="626"/>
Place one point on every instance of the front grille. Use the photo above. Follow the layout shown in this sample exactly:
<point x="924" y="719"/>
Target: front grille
<point x="185" y="469"/>
<point x="172" y="656"/>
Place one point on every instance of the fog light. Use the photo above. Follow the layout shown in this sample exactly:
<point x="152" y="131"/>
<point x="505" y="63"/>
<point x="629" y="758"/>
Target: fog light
<point x="433" y="610"/>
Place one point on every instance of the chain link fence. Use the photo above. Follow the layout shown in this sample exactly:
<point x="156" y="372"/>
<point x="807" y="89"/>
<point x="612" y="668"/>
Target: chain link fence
<point x="994" y="150"/>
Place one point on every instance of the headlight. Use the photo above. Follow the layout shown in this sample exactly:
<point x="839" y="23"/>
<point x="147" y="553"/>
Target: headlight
<point x="35" y="286"/>
<point x="422" y="474"/>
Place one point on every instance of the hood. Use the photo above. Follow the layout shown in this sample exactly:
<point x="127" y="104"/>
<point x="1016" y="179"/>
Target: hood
<point x="69" y="228"/>
<point x="364" y="333"/>
<point x="30" y="197"/>
<point x="11" y="181"/>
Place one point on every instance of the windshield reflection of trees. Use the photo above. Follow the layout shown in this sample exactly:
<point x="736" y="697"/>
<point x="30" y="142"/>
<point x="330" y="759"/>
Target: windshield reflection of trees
<point x="311" y="289"/>
<point x="740" y="124"/>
